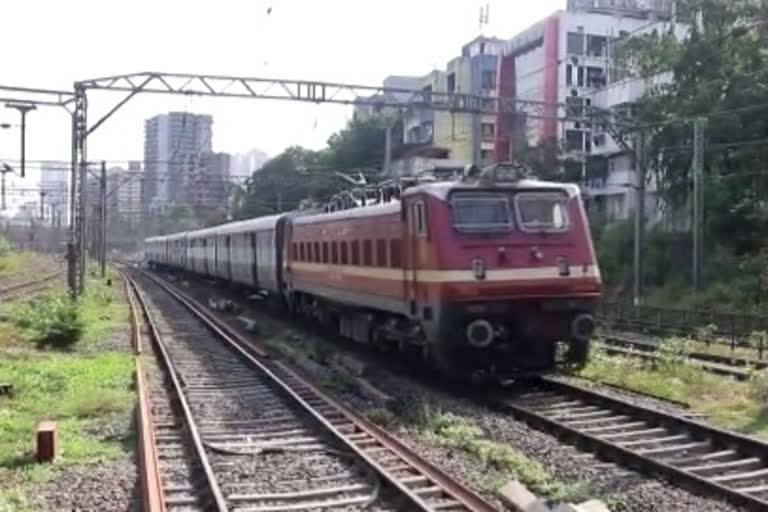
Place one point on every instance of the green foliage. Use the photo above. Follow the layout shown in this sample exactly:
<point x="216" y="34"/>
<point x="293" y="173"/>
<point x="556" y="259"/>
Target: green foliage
<point x="5" y="247"/>
<point x="51" y="319"/>
<point x="500" y="460"/>
<point x="722" y="71"/>
<point x="74" y="390"/>
<point x="300" y="176"/>
<point x="728" y="403"/>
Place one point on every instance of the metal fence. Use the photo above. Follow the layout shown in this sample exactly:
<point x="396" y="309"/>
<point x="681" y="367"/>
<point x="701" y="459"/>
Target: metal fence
<point x="727" y="328"/>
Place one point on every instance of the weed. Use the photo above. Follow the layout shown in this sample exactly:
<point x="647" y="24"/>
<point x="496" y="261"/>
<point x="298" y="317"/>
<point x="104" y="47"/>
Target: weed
<point x="50" y="320"/>
<point x="500" y="460"/>
<point x="382" y="417"/>
<point x="98" y="402"/>
<point x="60" y="387"/>
<point x="15" y="501"/>
<point x="728" y="403"/>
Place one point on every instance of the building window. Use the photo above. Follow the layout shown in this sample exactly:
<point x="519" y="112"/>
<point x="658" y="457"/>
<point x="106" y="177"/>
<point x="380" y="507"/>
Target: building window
<point x="596" y="46"/>
<point x="488" y="80"/>
<point x="451" y="82"/>
<point x="568" y="75"/>
<point x="367" y="253"/>
<point x="575" y="106"/>
<point x="488" y="130"/>
<point x="486" y="155"/>
<point x="574" y="140"/>
<point x="575" y="43"/>
<point x="595" y="77"/>
<point x="394" y="253"/>
<point x="381" y="253"/>
<point x="580" y="76"/>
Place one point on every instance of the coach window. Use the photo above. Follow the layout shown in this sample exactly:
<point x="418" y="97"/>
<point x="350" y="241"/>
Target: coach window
<point x="394" y="253"/>
<point x="344" y="253"/>
<point x="381" y="253"/>
<point x="318" y="258"/>
<point x="355" y="256"/>
<point x="334" y="252"/>
<point x="295" y="251"/>
<point x="367" y="253"/>
<point x="310" y="254"/>
<point x="325" y="252"/>
<point x="301" y="251"/>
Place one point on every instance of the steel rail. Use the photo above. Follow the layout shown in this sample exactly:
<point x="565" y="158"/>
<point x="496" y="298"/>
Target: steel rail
<point x="649" y="346"/>
<point x="20" y="289"/>
<point x="600" y="422"/>
<point x="302" y="392"/>
<point x="718" y="365"/>
<point x="149" y="476"/>
<point x="218" y="496"/>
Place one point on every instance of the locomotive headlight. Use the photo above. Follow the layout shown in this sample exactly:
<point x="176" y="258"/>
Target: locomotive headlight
<point x="563" y="268"/>
<point x="478" y="267"/>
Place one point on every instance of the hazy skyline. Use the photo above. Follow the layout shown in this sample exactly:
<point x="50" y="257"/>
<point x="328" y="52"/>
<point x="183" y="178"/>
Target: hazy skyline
<point x="55" y="43"/>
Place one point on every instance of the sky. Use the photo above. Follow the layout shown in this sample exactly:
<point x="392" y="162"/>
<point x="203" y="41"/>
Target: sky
<point x="52" y="43"/>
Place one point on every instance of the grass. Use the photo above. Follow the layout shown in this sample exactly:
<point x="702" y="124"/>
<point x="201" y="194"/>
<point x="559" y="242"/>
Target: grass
<point x="728" y="403"/>
<point x="80" y="385"/>
<point x="501" y="461"/>
<point x="11" y="263"/>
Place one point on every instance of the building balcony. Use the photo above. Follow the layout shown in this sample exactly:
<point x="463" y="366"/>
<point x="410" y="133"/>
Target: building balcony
<point x="628" y="90"/>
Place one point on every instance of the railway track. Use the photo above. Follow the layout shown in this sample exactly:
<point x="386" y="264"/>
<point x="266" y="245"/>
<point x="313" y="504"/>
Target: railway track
<point x="28" y="287"/>
<point x="234" y="430"/>
<point x="729" y="366"/>
<point x="685" y="452"/>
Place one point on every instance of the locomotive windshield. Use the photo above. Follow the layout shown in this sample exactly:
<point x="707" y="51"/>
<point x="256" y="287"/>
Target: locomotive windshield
<point x="541" y="211"/>
<point x="481" y="212"/>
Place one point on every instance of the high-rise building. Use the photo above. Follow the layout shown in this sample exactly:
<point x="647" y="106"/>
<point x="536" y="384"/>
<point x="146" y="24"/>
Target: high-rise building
<point x="54" y="183"/>
<point x="174" y="145"/>
<point x="124" y="193"/>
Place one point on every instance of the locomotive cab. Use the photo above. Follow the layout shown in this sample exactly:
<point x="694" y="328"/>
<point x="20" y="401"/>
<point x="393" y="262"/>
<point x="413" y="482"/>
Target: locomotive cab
<point x="500" y="269"/>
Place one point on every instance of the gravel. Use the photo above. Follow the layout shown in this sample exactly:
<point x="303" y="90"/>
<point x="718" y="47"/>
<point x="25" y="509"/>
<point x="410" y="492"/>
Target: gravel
<point x="638" y="492"/>
<point x="246" y="459"/>
<point x="93" y="487"/>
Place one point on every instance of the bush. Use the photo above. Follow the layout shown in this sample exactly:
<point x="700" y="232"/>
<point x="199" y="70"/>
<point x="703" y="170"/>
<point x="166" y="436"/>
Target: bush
<point x="49" y="320"/>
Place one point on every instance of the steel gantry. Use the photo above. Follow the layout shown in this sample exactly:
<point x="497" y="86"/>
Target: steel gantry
<point x="25" y="99"/>
<point x="295" y="90"/>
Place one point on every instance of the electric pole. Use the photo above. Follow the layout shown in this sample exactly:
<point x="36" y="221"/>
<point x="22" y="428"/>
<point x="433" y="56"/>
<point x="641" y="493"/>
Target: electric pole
<point x="42" y="204"/>
<point x="5" y="170"/>
<point x="698" y="169"/>
<point x="103" y="220"/>
<point x="23" y="108"/>
<point x="637" y="277"/>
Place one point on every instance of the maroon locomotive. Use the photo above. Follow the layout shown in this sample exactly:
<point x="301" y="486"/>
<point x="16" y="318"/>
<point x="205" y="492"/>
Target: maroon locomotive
<point x="482" y="275"/>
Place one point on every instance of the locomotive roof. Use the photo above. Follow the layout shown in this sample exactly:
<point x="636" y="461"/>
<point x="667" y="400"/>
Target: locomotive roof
<point x="352" y="213"/>
<point x="443" y="188"/>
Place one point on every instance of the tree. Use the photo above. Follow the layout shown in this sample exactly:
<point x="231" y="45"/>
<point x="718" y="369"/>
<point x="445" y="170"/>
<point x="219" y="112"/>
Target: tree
<point x="300" y="175"/>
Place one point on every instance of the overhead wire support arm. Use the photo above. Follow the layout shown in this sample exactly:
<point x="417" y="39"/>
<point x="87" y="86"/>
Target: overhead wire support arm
<point x="327" y="92"/>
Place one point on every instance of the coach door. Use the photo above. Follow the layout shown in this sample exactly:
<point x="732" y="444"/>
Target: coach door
<point x="415" y="229"/>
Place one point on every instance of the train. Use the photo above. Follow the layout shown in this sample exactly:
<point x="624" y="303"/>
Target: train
<point x="483" y="274"/>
